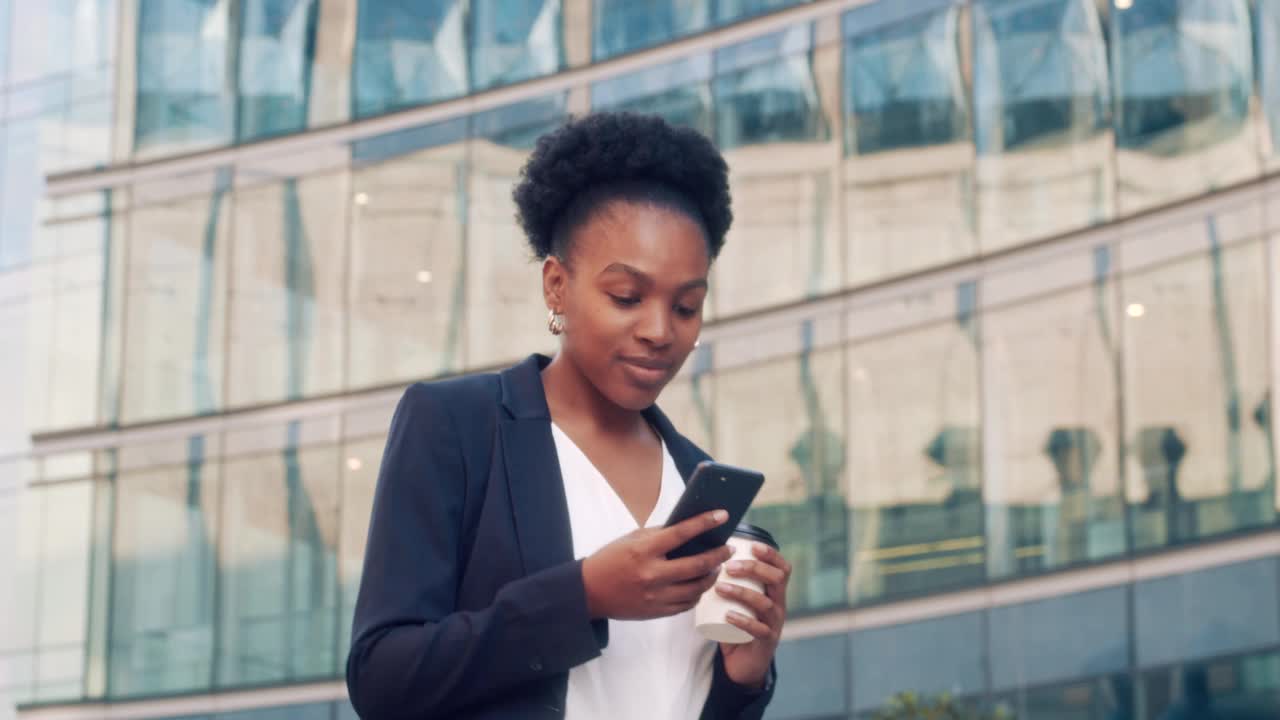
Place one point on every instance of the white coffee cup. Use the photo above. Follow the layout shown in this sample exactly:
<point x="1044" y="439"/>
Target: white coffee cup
<point x="711" y="615"/>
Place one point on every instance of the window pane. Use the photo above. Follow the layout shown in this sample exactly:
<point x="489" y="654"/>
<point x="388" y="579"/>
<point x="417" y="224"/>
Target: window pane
<point x="407" y="245"/>
<point x="679" y="91"/>
<point x="277" y="44"/>
<point x="728" y="11"/>
<point x="914" y="439"/>
<point x="1196" y="383"/>
<point x="1070" y="636"/>
<point x="794" y="435"/>
<point x="930" y="656"/>
<point x="1107" y="697"/>
<point x="506" y="316"/>
<point x="287" y="290"/>
<point x="185" y="99"/>
<point x="1043" y="127"/>
<point x="1233" y="607"/>
<point x="360" y="462"/>
<point x="909" y="152"/>
<point x="177" y="303"/>
<point x="1268" y="47"/>
<point x="163" y="578"/>
<point x="817" y="672"/>
<point x="771" y="124"/>
<point x="687" y="401"/>
<point x="67" y="312"/>
<point x="625" y="25"/>
<point x="1054" y="495"/>
<point x="1244" y="686"/>
<point x="279" y="567"/>
<point x="511" y="42"/>
<point x="408" y="53"/>
<point x="63" y="613"/>
<point x="1183" y="77"/>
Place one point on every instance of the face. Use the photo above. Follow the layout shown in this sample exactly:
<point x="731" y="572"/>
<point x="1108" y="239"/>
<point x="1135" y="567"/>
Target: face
<point x="631" y="297"/>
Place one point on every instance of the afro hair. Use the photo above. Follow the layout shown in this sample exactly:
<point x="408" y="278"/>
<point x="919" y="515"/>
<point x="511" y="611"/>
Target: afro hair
<point x="606" y="156"/>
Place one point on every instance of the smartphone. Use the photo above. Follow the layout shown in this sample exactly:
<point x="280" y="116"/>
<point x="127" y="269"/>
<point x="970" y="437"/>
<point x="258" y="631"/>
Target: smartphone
<point x="714" y="486"/>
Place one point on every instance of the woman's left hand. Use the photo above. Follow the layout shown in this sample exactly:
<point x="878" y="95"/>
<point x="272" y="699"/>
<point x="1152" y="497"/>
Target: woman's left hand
<point x="748" y="664"/>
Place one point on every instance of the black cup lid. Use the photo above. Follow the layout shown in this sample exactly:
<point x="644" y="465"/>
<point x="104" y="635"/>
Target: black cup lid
<point x="757" y="533"/>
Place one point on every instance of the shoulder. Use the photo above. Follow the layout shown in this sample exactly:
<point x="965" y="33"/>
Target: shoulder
<point x="453" y="407"/>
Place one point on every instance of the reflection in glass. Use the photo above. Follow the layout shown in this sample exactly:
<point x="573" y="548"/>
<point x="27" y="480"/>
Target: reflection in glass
<point x="506" y="317"/>
<point x="1195" y="367"/>
<point x="915" y="454"/>
<point x="771" y="124"/>
<point x="687" y="401"/>
<point x="909" y="155"/>
<point x="277" y="45"/>
<point x="360" y="461"/>
<point x="1268" y="46"/>
<point x="42" y="639"/>
<point x="1107" y="697"/>
<point x="163" y="578"/>
<point x="407" y="244"/>
<point x="621" y="26"/>
<point x="794" y="435"/>
<point x="679" y="91"/>
<point x="1042" y="99"/>
<point x="942" y="654"/>
<point x="185" y="99"/>
<point x="65" y="328"/>
<point x="278" y="564"/>
<point x="511" y="42"/>
<point x="408" y="53"/>
<point x="1052" y="375"/>
<point x="1244" y="686"/>
<point x="1183" y="77"/>
<point x="175" y="302"/>
<point x="287" y="292"/>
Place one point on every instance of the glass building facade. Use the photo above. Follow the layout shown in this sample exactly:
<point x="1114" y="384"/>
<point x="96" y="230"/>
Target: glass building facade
<point x="1006" y="271"/>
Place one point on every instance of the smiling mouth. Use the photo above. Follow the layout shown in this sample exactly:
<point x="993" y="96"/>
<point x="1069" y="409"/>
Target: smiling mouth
<point x="647" y="372"/>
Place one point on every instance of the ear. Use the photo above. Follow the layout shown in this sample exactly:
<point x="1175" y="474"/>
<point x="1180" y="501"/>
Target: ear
<point x="555" y="283"/>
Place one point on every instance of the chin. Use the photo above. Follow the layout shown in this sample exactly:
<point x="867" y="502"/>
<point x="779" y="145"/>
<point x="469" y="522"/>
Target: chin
<point x="631" y="397"/>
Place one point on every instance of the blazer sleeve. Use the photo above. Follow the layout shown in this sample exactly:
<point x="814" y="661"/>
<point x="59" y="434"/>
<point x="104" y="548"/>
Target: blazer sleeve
<point x="730" y="701"/>
<point x="413" y="654"/>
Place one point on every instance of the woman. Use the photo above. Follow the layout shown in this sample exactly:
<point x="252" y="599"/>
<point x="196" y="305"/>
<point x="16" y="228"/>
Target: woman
<point x="516" y="564"/>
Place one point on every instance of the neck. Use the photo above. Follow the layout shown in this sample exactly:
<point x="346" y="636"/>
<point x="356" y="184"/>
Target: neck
<point x="573" y="400"/>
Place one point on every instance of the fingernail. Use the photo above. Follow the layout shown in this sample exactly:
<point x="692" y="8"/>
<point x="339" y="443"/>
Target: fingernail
<point x="735" y="615"/>
<point x="728" y="588"/>
<point x="739" y="565"/>
<point x="720" y="516"/>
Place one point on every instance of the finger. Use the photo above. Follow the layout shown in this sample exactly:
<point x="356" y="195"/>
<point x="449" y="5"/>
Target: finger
<point x="688" y="592"/>
<point x="772" y="557"/>
<point x="668" y="539"/>
<point x="756" y="570"/>
<point x="754" y="628"/>
<point x="696" y="566"/>
<point x="758" y="602"/>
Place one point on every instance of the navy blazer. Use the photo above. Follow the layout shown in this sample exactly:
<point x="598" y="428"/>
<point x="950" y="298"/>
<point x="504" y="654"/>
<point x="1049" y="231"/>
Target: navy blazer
<point x="471" y="604"/>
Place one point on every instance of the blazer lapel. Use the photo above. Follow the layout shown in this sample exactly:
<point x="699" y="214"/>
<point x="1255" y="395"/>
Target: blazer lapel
<point x="538" y="503"/>
<point x="685" y="454"/>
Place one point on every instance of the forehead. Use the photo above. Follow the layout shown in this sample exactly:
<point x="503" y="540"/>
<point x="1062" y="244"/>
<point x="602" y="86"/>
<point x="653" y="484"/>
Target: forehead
<point x="661" y="242"/>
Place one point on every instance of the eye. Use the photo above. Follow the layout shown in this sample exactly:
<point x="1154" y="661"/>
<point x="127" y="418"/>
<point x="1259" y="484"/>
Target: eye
<point x="624" y="300"/>
<point x="686" y="311"/>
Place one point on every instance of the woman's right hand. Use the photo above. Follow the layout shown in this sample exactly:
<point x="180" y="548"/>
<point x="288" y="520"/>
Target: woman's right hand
<point x="632" y="579"/>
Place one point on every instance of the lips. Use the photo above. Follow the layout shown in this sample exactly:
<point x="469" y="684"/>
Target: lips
<point x="647" y="371"/>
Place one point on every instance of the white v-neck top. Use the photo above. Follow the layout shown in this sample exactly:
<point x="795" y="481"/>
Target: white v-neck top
<point x="652" y="668"/>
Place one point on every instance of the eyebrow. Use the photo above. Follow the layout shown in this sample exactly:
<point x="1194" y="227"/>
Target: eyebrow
<point x="642" y="277"/>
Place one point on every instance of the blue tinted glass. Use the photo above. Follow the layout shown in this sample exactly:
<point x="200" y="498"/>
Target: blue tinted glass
<point x="277" y="42"/>
<point x="1246" y="687"/>
<point x="1061" y="97"/>
<point x="408" y="53"/>
<point x="1106" y="697"/>
<point x="519" y="125"/>
<point x="1206" y="613"/>
<point x="903" y="82"/>
<point x="1268" y="44"/>
<point x="763" y="96"/>
<point x="816" y="677"/>
<point x="401" y="142"/>
<point x="183" y="96"/>
<point x="621" y="26"/>
<point x="511" y="42"/>
<point x="679" y="91"/>
<point x="1183" y="71"/>
<point x="731" y="10"/>
<point x="938" y="655"/>
<point x="1060" y="638"/>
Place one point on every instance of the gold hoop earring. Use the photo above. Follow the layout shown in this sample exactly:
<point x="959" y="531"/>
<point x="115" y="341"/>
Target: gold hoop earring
<point x="555" y="322"/>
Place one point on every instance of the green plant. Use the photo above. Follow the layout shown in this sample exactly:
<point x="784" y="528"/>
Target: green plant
<point x="913" y="706"/>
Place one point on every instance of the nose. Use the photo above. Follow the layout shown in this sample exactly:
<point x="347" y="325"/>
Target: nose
<point x="656" y="326"/>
